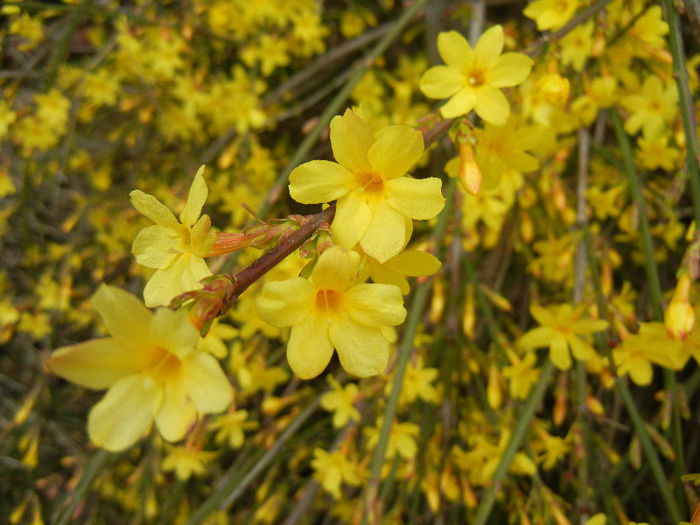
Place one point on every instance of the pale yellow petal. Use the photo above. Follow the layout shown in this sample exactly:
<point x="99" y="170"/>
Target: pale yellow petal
<point x="152" y="208"/>
<point x="176" y="414"/>
<point x="351" y="138"/>
<point x="581" y="350"/>
<point x="195" y="199"/>
<point x="559" y="353"/>
<point x="352" y="216"/>
<point x="309" y="350"/>
<point x="489" y="46"/>
<point x="536" y="338"/>
<point x="492" y="106"/>
<point x="363" y="350"/>
<point x="201" y="239"/>
<point x="414" y="263"/>
<point x="155" y="246"/>
<point x="381" y="274"/>
<point x="395" y="151"/>
<point x="173" y="331"/>
<point x="285" y="303"/>
<point x="542" y="315"/>
<point x="97" y="363"/>
<point x="386" y="234"/>
<point x="181" y="276"/>
<point x="375" y="304"/>
<point x="125" y="413"/>
<point x="336" y="269"/>
<point x="319" y="181"/>
<point x="441" y="82"/>
<point x="415" y="198"/>
<point x="460" y="104"/>
<point x="205" y="383"/>
<point x="641" y="372"/>
<point x="126" y="318"/>
<point x="455" y="50"/>
<point x="508" y="70"/>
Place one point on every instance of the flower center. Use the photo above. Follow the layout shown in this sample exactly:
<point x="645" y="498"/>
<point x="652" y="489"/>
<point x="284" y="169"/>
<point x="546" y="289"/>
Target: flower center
<point x="329" y="302"/>
<point x="161" y="364"/>
<point x="476" y="78"/>
<point x="371" y="183"/>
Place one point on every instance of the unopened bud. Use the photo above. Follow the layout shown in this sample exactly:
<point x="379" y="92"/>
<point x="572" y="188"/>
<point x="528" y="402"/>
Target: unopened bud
<point x="213" y="300"/>
<point x="469" y="171"/>
<point x="679" y="316"/>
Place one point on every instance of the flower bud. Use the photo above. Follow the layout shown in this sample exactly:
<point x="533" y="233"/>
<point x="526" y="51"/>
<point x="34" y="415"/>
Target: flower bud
<point x="469" y="171"/>
<point x="679" y="316"/>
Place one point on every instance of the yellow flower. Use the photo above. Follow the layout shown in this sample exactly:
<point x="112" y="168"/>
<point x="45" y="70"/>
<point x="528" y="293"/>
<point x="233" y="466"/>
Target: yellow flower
<point x="651" y="108"/>
<point x="333" y="468"/>
<point x="551" y="14"/>
<point x="402" y="439"/>
<point x="187" y="461"/>
<point x="560" y="329"/>
<point x="331" y="311"/>
<point x="341" y="401"/>
<point x="176" y="249"/>
<point x="376" y="200"/>
<point x="473" y="77"/>
<point x="151" y="368"/>
<point x="231" y="428"/>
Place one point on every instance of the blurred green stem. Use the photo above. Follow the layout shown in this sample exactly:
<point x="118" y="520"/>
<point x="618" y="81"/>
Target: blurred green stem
<point x="657" y="307"/>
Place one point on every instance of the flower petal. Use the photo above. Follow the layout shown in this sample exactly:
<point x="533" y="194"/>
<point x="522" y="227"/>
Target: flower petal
<point x="352" y="216"/>
<point x="152" y="208"/>
<point x="492" y="106"/>
<point x="559" y="353"/>
<point x="205" y="383"/>
<point x="125" y="413"/>
<point x="536" y="338"/>
<point x="414" y="263"/>
<point x="460" y="104"/>
<point x="581" y="350"/>
<point x="98" y="363"/>
<point x="183" y="275"/>
<point x="508" y="70"/>
<point x="375" y="304"/>
<point x="395" y="151"/>
<point x="319" y="181"/>
<point x="415" y="198"/>
<point x="285" y="303"/>
<point x="172" y="331"/>
<point x="441" y="82"/>
<point x="309" y="350"/>
<point x="386" y="234"/>
<point x="336" y="269"/>
<point x="195" y="199"/>
<point x="155" y="246"/>
<point x="363" y="350"/>
<point x="176" y="414"/>
<point x="489" y="46"/>
<point x="455" y="50"/>
<point x="126" y="318"/>
<point x="351" y="138"/>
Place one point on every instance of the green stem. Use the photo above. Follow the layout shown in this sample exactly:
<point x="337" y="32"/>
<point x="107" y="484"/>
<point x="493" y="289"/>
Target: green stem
<point x="419" y="301"/>
<point x="521" y="426"/>
<point x="686" y="107"/>
<point x="656" y="298"/>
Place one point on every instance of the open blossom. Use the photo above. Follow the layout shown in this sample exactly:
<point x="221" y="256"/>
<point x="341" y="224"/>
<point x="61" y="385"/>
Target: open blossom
<point x="151" y="367"/>
<point x="176" y="249"/>
<point x="330" y="310"/>
<point x="472" y="78"/>
<point x="376" y="199"/>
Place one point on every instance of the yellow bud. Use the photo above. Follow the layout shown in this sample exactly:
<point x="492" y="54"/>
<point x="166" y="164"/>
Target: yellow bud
<point x="469" y="317"/>
<point x="679" y="316"/>
<point x="469" y="172"/>
<point x="493" y="389"/>
<point x="594" y="405"/>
